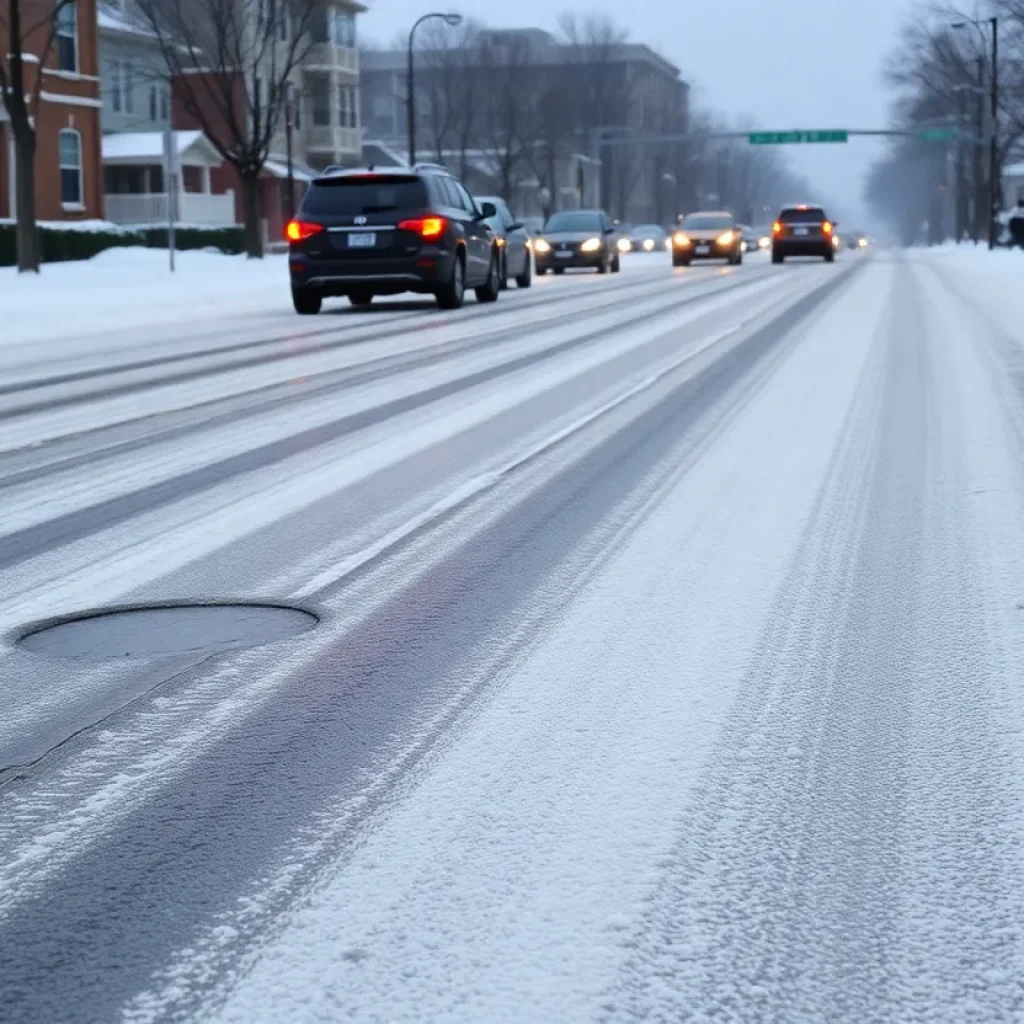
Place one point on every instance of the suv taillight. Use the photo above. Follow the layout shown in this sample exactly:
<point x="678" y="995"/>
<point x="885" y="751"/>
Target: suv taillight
<point x="777" y="228"/>
<point x="826" y="226"/>
<point x="300" y="230"/>
<point x="430" y="229"/>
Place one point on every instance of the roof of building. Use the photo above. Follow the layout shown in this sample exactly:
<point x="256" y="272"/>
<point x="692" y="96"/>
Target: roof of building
<point x="193" y="148"/>
<point x="113" y="18"/>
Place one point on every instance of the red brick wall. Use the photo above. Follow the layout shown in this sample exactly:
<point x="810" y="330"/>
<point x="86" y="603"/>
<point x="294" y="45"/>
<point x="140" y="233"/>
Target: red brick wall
<point x="56" y="113"/>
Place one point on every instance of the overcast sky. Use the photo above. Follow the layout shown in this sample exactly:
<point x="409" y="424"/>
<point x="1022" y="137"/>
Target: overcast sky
<point x="786" y="63"/>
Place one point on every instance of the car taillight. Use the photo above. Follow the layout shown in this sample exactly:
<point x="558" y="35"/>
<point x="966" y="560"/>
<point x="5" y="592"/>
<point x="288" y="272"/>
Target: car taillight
<point x="428" y="228"/>
<point x="777" y="228"/>
<point x="300" y="230"/>
<point x="827" y="228"/>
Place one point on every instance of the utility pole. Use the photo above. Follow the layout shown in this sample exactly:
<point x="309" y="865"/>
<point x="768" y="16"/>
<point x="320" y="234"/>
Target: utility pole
<point x="995" y="198"/>
<point x="288" y="126"/>
<point x="171" y="187"/>
<point x="981" y="202"/>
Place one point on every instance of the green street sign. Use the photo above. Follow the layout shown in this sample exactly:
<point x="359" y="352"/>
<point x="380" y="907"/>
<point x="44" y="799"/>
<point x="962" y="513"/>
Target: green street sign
<point x="937" y="134"/>
<point x="786" y="138"/>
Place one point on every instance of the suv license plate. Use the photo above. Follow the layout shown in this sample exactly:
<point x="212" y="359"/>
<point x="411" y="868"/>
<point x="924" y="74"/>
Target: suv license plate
<point x="703" y="250"/>
<point x="800" y="231"/>
<point x="362" y="241"/>
<point x="564" y="255"/>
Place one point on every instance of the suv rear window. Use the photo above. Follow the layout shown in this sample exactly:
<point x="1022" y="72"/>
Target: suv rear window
<point x="812" y="215"/>
<point x="345" y="196"/>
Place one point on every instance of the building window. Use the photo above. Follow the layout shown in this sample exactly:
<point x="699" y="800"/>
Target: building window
<point x="70" y="158"/>
<point x="321" y="106"/>
<point x="165" y="105"/>
<point x="153" y="110"/>
<point x="344" y="28"/>
<point x="67" y="37"/>
<point x="128" y="86"/>
<point x="295" y="105"/>
<point x="114" y="86"/>
<point x="319" y="30"/>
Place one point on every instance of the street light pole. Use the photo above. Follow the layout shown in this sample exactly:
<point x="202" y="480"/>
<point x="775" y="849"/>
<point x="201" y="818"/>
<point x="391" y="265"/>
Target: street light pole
<point x="995" y="197"/>
<point x="452" y="19"/>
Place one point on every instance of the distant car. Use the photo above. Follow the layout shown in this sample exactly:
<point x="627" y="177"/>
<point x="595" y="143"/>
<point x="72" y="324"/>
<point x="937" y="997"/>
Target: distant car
<point x="802" y="230"/>
<point x="513" y="240"/>
<point x="577" y="238"/>
<point x="712" y="235"/>
<point x="749" y="239"/>
<point x="645" y="238"/>
<point x="763" y="235"/>
<point x="363" y="233"/>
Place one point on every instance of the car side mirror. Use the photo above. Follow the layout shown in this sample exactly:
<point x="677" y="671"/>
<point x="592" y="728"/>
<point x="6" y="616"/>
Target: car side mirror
<point x="488" y="210"/>
<point x="514" y="226"/>
<point x="610" y="231"/>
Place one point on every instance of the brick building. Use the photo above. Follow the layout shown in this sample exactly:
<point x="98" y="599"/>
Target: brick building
<point x="68" y="168"/>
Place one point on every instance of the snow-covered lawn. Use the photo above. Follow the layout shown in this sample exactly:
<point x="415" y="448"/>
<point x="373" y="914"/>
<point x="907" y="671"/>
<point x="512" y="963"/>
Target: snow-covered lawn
<point x="133" y="287"/>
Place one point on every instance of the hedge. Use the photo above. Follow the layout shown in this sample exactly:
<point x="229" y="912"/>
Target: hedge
<point x="60" y="245"/>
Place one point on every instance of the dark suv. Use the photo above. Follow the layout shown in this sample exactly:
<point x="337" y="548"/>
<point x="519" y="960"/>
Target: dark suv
<point x="367" y="232"/>
<point x="803" y="231"/>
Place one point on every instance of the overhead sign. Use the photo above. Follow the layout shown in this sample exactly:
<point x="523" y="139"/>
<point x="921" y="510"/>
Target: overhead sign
<point x="937" y="134"/>
<point x="786" y="138"/>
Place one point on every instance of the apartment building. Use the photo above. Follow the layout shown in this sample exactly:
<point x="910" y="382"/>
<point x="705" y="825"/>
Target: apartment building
<point x="68" y="175"/>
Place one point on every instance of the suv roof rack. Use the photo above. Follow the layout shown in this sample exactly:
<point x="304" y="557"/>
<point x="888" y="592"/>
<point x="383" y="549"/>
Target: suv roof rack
<point x="430" y="167"/>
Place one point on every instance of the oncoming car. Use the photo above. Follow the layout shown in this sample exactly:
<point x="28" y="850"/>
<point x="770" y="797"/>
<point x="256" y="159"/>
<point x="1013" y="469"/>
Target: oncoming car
<point x="707" y="236"/>
<point x="362" y="233"/>
<point x="803" y="231"/>
<point x="645" y="238"/>
<point x="577" y="238"/>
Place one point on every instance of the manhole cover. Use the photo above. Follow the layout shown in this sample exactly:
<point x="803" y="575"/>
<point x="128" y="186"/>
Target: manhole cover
<point x="164" y="630"/>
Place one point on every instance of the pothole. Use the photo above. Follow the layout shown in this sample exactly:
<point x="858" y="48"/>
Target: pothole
<point x="156" y="631"/>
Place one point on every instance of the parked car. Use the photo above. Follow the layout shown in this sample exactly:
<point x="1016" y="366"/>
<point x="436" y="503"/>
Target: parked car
<point x="362" y="233"/>
<point x="803" y="230"/>
<point x="577" y="238"/>
<point x="709" y="235"/>
<point x="513" y="240"/>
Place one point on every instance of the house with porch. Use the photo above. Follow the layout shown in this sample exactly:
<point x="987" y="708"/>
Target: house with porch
<point x="135" y="185"/>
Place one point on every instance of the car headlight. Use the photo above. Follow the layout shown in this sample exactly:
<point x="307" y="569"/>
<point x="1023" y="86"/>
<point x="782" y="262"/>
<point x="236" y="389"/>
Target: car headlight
<point x="539" y="245"/>
<point x="624" y="245"/>
<point x="681" y="239"/>
<point x="591" y="245"/>
<point x="862" y="243"/>
<point x="763" y="243"/>
<point x="726" y="238"/>
<point x="648" y="244"/>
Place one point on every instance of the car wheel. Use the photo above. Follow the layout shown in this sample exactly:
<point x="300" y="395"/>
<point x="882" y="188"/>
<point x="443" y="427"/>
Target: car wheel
<point x="451" y="294"/>
<point x="777" y="257"/>
<point x="616" y="264"/>
<point x="830" y="257"/>
<point x="558" y="271"/>
<point x="602" y="267"/>
<point x="306" y="301"/>
<point x="525" y="279"/>
<point x="361" y="299"/>
<point x="504" y="273"/>
<point x="739" y="258"/>
<point x="680" y="261"/>
<point x="491" y="288"/>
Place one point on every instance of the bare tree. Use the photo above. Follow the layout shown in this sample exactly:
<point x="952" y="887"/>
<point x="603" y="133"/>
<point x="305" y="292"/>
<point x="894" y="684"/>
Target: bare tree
<point x="232" y="62"/>
<point x="30" y="29"/>
<point x="449" y="104"/>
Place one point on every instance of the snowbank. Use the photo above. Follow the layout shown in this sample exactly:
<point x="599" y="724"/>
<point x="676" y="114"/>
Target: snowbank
<point x="133" y="288"/>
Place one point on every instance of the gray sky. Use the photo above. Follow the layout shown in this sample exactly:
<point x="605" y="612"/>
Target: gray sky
<point x="786" y="63"/>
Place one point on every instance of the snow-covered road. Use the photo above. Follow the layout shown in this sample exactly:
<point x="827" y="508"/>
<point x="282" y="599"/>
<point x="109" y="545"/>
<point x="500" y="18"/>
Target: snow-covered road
<point x="668" y="668"/>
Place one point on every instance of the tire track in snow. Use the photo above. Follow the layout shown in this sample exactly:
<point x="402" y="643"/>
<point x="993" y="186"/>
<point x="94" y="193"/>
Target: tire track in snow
<point x="847" y="859"/>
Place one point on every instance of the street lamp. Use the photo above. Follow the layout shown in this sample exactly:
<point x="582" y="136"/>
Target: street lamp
<point x="993" y="145"/>
<point x="453" y="20"/>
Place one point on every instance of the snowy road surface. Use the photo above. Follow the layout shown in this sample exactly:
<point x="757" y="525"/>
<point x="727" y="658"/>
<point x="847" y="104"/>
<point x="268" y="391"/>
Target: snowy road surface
<point x="669" y="665"/>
